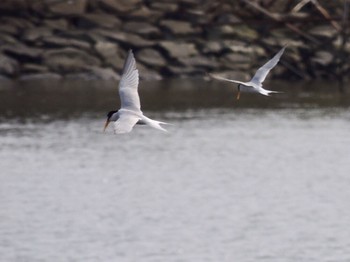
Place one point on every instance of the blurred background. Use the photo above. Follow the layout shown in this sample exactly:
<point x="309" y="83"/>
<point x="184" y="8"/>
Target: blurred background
<point x="259" y="179"/>
<point x="89" y="39"/>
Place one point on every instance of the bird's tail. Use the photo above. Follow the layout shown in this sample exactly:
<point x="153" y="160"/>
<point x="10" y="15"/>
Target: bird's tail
<point x="154" y="123"/>
<point x="268" y="92"/>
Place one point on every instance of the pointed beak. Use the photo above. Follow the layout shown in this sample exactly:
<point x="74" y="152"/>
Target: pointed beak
<point x="238" y="95"/>
<point x="106" y="124"/>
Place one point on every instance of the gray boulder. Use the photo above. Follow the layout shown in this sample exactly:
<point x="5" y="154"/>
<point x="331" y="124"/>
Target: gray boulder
<point x="68" y="60"/>
<point x="176" y="50"/>
<point x="95" y="73"/>
<point x="57" y="42"/>
<point x="99" y="20"/>
<point x="36" y="76"/>
<point x="125" y="38"/>
<point x="106" y="49"/>
<point x="37" y="33"/>
<point x="22" y="52"/>
<point x="151" y="57"/>
<point x="104" y="73"/>
<point x="178" y="27"/>
<point x="29" y="68"/>
<point x="68" y="8"/>
<point x="8" y="66"/>
<point x="119" y="6"/>
<point x="141" y="28"/>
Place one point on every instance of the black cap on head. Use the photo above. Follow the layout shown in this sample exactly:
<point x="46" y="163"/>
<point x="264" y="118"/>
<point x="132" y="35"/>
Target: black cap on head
<point x="110" y="113"/>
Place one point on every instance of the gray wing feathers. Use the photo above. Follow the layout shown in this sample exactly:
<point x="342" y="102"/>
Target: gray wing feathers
<point x="226" y="79"/>
<point x="262" y="72"/>
<point x="129" y="83"/>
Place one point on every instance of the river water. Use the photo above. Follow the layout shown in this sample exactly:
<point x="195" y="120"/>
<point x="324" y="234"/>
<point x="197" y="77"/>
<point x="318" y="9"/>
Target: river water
<point x="259" y="179"/>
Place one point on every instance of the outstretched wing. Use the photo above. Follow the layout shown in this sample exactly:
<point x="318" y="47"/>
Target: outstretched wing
<point x="129" y="96"/>
<point x="125" y="123"/>
<point x="226" y="79"/>
<point x="262" y="72"/>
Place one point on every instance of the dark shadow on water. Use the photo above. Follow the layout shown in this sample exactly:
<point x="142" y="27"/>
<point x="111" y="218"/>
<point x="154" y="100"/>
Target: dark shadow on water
<point x="50" y="99"/>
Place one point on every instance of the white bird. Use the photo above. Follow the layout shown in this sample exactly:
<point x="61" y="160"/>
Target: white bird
<point x="130" y="112"/>
<point x="255" y="84"/>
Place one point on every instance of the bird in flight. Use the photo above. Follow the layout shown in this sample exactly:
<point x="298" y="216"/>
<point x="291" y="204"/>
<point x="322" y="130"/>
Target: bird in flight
<point x="255" y="84"/>
<point x="130" y="112"/>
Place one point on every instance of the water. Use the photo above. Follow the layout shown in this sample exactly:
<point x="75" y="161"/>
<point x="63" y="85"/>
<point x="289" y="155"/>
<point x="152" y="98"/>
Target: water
<point x="265" y="179"/>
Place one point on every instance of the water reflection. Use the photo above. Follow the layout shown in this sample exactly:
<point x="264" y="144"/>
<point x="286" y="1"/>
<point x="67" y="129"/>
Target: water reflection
<point x="73" y="98"/>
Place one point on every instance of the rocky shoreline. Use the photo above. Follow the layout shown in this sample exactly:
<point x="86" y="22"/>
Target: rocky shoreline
<point x="184" y="38"/>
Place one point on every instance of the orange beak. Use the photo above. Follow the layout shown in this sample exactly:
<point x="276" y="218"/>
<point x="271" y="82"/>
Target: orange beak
<point x="106" y="124"/>
<point x="238" y="95"/>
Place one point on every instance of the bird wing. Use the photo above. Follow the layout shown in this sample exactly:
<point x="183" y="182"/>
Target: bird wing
<point x="125" y="123"/>
<point x="262" y="72"/>
<point x="128" y="84"/>
<point x="226" y="79"/>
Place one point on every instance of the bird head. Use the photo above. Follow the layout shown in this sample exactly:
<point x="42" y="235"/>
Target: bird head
<point x="109" y="116"/>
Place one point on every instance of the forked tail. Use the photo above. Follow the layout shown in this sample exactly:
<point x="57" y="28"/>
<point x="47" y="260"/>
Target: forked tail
<point x="268" y="92"/>
<point x="154" y="123"/>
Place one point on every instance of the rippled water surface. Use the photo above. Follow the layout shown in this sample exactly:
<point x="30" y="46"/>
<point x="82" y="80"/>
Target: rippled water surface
<point x="262" y="179"/>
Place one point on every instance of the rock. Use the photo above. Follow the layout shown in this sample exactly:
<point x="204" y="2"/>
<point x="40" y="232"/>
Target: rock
<point x="199" y="61"/>
<point x="82" y="35"/>
<point x="131" y="40"/>
<point x="69" y="60"/>
<point x="7" y="39"/>
<point x="95" y="73"/>
<point x="323" y="58"/>
<point x="225" y="30"/>
<point x="119" y="6"/>
<point x="18" y="22"/>
<point x="33" y="34"/>
<point x="236" y="61"/>
<point x="178" y="27"/>
<point x="244" y="32"/>
<point x="145" y="13"/>
<point x="141" y="28"/>
<point x="228" y="18"/>
<point x="66" y="8"/>
<point x="103" y="73"/>
<point x="106" y="49"/>
<point x="27" y="77"/>
<point x="147" y="74"/>
<point x="236" y="46"/>
<point x="58" y="42"/>
<point x="8" y="29"/>
<point x="176" y="50"/>
<point x="212" y="47"/>
<point x="116" y="62"/>
<point x="151" y="57"/>
<point x="22" y="52"/>
<point x="8" y="66"/>
<point x="33" y="68"/>
<point x="164" y="6"/>
<point x="13" y="5"/>
<point x="322" y="31"/>
<point x="59" y="24"/>
<point x="98" y="20"/>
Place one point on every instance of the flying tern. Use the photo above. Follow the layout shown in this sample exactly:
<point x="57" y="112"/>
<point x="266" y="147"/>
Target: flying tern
<point x="255" y="84"/>
<point x="130" y="112"/>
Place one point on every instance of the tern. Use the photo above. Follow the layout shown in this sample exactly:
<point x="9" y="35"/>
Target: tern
<point x="130" y="112"/>
<point x="255" y="84"/>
